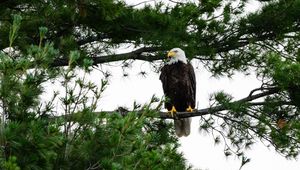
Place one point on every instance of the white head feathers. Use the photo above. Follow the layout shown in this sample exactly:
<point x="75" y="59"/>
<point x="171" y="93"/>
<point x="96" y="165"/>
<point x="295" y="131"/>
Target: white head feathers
<point x="175" y="55"/>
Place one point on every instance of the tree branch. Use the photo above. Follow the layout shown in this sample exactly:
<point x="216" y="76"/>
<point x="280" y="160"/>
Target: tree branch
<point x="140" y="3"/>
<point x="201" y="112"/>
<point x="134" y="55"/>
<point x="211" y="110"/>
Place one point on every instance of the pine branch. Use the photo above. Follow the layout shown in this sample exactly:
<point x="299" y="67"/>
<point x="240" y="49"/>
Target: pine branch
<point x="134" y="55"/>
<point x="201" y="112"/>
<point x="219" y="108"/>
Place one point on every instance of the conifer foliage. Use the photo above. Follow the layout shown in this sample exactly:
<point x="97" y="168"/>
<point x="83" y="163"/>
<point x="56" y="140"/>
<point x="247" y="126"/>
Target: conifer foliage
<point x="45" y="41"/>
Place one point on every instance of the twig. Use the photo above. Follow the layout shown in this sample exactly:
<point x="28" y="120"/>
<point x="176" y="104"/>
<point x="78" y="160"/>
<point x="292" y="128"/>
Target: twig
<point x="141" y="3"/>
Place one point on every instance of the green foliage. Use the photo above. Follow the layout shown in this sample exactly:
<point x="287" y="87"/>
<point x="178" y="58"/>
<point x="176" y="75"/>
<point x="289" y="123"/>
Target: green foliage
<point x="285" y="74"/>
<point x="37" y="134"/>
<point x="11" y="164"/>
<point x="75" y="33"/>
<point x="14" y="29"/>
<point x="123" y="143"/>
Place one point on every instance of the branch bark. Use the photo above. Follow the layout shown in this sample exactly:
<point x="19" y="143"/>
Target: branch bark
<point x="201" y="112"/>
<point x="134" y="55"/>
<point x="214" y="109"/>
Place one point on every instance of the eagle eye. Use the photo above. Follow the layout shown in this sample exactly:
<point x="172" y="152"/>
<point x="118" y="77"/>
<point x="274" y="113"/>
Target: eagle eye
<point x="175" y="51"/>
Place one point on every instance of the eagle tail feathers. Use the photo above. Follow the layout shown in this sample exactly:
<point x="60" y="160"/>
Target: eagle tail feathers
<point x="183" y="126"/>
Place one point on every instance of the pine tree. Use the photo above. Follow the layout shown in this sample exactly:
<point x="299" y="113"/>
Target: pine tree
<point x="44" y="41"/>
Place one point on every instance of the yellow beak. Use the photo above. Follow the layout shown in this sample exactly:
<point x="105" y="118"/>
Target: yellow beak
<point x="171" y="54"/>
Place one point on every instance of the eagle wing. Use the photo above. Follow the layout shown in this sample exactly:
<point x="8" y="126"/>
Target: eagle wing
<point x="179" y="85"/>
<point x="192" y="87"/>
<point x="164" y="79"/>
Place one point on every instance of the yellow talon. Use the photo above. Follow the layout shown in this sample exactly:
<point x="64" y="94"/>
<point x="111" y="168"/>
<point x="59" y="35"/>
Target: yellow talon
<point x="189" y="109"/>
<point x="172" y="111"/>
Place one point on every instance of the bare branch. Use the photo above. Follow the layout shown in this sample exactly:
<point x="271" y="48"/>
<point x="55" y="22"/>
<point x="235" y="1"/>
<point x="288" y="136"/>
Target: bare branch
<point x="144" y="2"/>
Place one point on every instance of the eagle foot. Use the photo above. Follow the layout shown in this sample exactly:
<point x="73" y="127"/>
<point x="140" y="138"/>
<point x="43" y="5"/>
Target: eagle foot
<point x="189" y="109"/>
<point x="172" y="112"/>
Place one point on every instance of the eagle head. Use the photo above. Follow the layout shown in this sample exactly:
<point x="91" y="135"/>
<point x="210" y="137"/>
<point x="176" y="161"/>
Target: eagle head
<point x="175" y="55"/>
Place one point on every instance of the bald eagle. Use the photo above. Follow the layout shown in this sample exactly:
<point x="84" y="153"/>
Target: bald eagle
<point x="179" y="86"/>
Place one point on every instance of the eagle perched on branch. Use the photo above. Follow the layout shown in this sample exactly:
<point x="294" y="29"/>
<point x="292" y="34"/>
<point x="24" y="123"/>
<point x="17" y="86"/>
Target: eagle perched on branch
<point x="179" y="86"/>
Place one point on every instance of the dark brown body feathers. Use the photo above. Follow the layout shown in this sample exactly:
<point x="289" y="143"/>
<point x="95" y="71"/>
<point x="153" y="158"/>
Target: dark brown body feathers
<point x="179" y="85"/>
